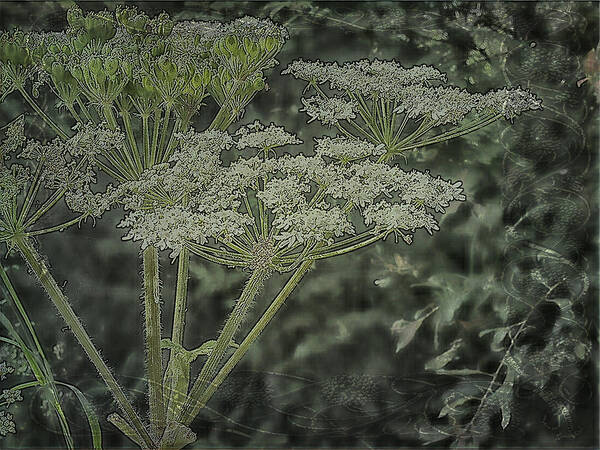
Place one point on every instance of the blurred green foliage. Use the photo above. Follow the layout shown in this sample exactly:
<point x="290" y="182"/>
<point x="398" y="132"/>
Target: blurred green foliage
<point x="326" y="373"/>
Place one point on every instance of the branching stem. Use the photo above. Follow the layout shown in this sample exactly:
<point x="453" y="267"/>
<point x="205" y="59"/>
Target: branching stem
<point x="35" y="261"/>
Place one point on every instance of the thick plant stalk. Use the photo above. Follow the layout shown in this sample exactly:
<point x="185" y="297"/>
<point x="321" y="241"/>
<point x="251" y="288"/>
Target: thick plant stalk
<point x="177" y="388"/>
<point x="262" y="323"/>
<point x="253" y="285"/>
<point x="153" y="350"/>
<point x="35" y="261"/>
<point x="183" y="270"/>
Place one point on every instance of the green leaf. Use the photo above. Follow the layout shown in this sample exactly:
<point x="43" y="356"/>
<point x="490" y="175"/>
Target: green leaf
<point x="499" y="335"/>
<point x="452" y="406"/>
<point x="89" y="413"/>
<point x="177" y="436"/>
<point x="177" y="375"/>
<point x="406" y="330"/>
<point x="442" y="360"/>
<point x="503" y="396"/>
<point x="126" y="429"/>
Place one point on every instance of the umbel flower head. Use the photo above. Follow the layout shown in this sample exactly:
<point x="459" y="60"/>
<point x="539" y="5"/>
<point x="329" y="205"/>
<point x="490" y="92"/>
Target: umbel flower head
<point x="385" y="103"/>
<point x="335" y="200"/>
<point x="342" y="195"/>
<point x="135" y="72"/>
<point x="35" y="176"/>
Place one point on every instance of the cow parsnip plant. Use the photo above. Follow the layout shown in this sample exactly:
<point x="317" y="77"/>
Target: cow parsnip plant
<point x="134" y="87"/>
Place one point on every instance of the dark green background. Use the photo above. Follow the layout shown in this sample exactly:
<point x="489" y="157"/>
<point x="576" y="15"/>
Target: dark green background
<point x="325" y="373"/>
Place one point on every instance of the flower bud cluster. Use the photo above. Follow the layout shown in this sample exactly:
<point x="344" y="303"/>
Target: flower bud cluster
<point x="128" y="58"/>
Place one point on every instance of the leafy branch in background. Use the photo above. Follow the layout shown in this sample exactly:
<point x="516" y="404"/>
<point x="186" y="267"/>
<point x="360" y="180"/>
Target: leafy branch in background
<point x="22" y="336"/>
<point x="134" y="87"/>
<point x="536" y="344"/>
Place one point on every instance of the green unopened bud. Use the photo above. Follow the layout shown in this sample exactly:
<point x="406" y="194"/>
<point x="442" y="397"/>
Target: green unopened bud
<point x="47" y="62"/>
<point x="206" y="76"/>
<point x="139" y="24"/>
<point x="258" y="84"/>
<point x="58" y="73"/>
<point x="220" y="48"/>
<point x="111" y="66"/>
<point x="77" y="73"/>
<point x="158" y="49"/>
<point x="197" y="81"/>
<point x="169" y="69"/>
<point x="127" y="68"/>
<point x="270" y="43"/>
<point x="147" y="83"/>
<point x="95" y="66"/>
<point x="252" y="48"/>
<point x="19" y="37"/>
<point x="166" y="25"/>
<point x="81" y="42"/>
<point x="232" y="44"/>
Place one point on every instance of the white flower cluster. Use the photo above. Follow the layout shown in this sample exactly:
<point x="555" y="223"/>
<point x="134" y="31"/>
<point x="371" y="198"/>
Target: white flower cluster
<point x="10" y="396"/>
<point x="5" y="369"/>
<point x="370" y="78"/>
<point x="185" y="200"/>
<point x="257" y="135"/>
<point x="64" y="167"/>
<point x="14" y="138"/>
<point x="92" y="204"/>
<point x="317" y="224"/>
<point x="396" y="217"/>
<point x="92" y="141"/>
<point x="301" y="200"/>
<point x="6" y="423"/>
<point x="328" y="111"/>
<point x="347" y="149"/>
<point x="510" y="102"/>
<point x="410" y="89"/>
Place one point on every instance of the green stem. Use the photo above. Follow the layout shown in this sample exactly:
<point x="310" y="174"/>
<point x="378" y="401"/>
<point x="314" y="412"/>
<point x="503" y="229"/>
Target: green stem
<point x="131" y="138"/>
<point x="59" y="227"/>
<point x="31" y="193"/>
<point x="54" y="198"/>
<point x="183" y="270"/>
<point x="153" y="350"/>
<point x="164" y="132"/>
<point x="173" y="398"/>
<point x="156" y="130"/>
<point x="146" y="139"/>
<point x="41" y="271"/>
<point x="109" y="116"/>
<point x="85" y="111"/>
<point x="15" y="298"/>
<point x="192" y="405"/>
<point x="345" y="250"/>
<point x="457" y="132"/>
<point x="43" y="115"/>
<point x="74" y="113"/>
<point x="253" y="335"/>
